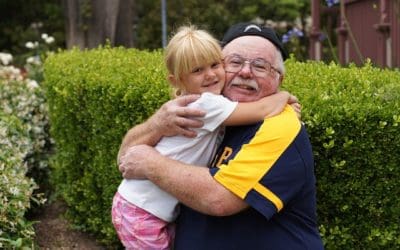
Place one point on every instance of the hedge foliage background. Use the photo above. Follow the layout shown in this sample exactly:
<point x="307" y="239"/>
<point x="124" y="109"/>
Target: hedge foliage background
<point x="94" y="97"/>
<point x="352" y="115"/>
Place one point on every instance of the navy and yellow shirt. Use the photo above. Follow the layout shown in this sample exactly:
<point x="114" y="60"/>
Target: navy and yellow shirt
<point x="270" y="166"/>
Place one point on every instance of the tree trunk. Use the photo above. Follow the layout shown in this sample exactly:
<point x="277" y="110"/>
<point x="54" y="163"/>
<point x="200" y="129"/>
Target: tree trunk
<point x="90" y="23"/>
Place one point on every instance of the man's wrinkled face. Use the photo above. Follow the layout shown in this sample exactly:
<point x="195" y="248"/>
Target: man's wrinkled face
<point x="244" y="86"/>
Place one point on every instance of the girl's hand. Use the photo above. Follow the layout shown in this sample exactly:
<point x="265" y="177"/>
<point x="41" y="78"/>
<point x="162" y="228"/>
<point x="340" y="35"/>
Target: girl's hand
<point x="294" y="102"/>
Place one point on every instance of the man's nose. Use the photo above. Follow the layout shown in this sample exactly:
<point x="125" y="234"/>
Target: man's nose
<point x="245" y="72"/>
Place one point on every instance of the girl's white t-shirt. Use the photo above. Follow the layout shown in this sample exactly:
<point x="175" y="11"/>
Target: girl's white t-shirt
<point x="197" y="151"/>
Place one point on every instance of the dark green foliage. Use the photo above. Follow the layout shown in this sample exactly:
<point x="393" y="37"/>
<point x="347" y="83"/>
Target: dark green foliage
<point x="94" y="97"/>
<point x="215" y="16"/>
<point x="353" y="117"/>
<point x="25" y="20"/>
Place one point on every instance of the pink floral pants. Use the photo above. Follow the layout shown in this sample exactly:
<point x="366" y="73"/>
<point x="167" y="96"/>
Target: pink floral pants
<point x="138" y="229"/>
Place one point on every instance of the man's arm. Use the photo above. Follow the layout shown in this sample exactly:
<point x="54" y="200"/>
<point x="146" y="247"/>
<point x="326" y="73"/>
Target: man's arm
<point x="172" y="118"/>
<point x="192" y="185"/>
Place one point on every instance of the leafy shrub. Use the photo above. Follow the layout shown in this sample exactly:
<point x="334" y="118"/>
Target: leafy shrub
<point x="351" y="114"/>
<point x="24" y="98"/>
<point x="95" y="96"/>
<point x="23" y="140"/>
<point x="15" y="188"/>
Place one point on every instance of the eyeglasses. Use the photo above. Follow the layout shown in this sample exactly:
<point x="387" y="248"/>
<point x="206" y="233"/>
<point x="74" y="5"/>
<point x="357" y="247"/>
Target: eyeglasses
<point x="259" y="67"/>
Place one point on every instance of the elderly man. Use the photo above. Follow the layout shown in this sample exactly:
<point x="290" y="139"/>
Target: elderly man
<point x="259" y="193"/>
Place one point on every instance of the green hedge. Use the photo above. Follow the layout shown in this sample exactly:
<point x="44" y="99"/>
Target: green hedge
<point x="351" y="114"/>
<point x="353" y="117"/>
<point x="94" y="97"/>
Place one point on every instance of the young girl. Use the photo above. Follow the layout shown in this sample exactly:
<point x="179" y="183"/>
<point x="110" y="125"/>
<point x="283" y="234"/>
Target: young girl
<point x="141" y="212"/>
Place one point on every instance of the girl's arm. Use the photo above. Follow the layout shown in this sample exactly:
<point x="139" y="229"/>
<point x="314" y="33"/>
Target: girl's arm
<point x="251" y="112"/>
<point x="173" y="118"/>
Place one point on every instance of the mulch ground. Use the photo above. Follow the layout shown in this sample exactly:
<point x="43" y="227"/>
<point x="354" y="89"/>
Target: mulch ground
<point x="54" y="232"/>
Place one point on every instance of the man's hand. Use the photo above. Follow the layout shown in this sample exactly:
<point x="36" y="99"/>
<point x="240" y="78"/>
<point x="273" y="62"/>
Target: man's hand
<point x="134" y="163"/>
<point x="192" y="185"/>
<point x="175" y="118"/>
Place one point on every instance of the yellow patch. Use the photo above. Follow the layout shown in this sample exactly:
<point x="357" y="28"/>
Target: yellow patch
<point x="243" y="173"/>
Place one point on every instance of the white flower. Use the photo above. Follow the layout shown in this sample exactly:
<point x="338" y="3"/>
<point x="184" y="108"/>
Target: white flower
<point x="35" y="60"/>
<point x="5" y="58"/>
<point x="49" y="40"/>
<point x="30" y="60"/>
<point x="32" y="83"/>
<point x="14" y="191"/>
<point x="15" y="71"/>
<point x="10" y="73"/>
<point x="20" y="205"/>
<point x="31" y="45"/>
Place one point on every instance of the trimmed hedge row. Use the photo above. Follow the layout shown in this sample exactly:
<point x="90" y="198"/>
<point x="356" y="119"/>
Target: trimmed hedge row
<point x="94" y="97"/>
<point x="352" y="115"/>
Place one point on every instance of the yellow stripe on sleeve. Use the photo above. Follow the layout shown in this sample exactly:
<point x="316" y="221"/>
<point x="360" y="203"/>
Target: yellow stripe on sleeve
<point x="270" y="196"/>
<point x="256" y="158"/>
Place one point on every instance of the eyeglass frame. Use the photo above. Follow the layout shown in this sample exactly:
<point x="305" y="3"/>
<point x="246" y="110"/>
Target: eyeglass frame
<point x="250" y="62"/>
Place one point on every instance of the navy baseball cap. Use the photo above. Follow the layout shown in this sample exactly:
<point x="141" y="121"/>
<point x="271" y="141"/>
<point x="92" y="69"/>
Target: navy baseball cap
<point x="252" y="29"/>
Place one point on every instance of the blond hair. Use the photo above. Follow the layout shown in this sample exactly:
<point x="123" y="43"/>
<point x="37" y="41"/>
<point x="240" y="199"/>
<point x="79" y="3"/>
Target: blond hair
<point x="188" y="48"/>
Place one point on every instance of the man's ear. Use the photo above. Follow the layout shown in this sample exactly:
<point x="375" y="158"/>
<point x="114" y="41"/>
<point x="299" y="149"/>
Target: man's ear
<point x="281" y="78"/>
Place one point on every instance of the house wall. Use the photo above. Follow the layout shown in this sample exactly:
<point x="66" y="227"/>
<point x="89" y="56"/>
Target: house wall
<point x="368" y="29"/>
<point x="361" y="17"/>
<point x="395" y="31"/>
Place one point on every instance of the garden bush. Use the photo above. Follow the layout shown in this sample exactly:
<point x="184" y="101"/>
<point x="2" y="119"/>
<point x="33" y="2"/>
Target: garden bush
<point x="353" y="117"/>
<point x="94" y="97"/>
<point x="351" y="114"/>
<point x="24" y="144"/>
